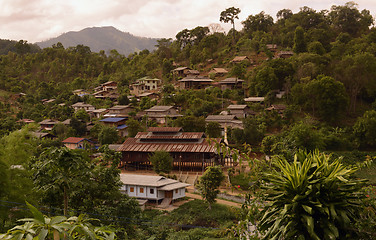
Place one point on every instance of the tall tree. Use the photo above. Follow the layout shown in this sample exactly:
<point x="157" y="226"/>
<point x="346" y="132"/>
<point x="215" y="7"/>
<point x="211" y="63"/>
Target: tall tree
<point x="229" y="15"/>
<point x="300" y="44"/>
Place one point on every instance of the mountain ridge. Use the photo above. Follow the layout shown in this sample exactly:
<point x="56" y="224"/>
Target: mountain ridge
<point x="103" y="38"/>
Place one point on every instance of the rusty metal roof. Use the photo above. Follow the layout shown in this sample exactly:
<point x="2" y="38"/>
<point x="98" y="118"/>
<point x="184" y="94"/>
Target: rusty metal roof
<point x="133" y="145"/>
<point x="164" y="129"/>
<point x="173" y="136"/>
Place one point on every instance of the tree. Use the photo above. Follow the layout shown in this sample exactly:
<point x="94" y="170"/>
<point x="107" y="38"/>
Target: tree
<point x="229" y="15"/>
<point x="313" y="197"/>
<point x="108" y="135"/>
<point x="191" y="123"/>
<point x="123" y="99"/>
<point x="134" y="127"/>
<point x="325" y="96"/>
<point x="213" y="129"/>
<point x="356" y="72"/>
<point x="259" y="22"/>
<point x="299" y="40"/>
<point x="365" y="129"/>
<point x="162" y="162"/>
<point x="57" y="171"/>
<point x="209" y="183"/>
<point x="264" y="81"/>
<point x="348" y="19"/>
<point x="82" y="115"/>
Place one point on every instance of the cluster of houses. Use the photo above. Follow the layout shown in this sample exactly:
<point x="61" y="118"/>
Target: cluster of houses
<point x="189" y="150"/>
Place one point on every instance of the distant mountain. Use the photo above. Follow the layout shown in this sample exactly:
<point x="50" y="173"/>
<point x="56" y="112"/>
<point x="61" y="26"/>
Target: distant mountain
<point x="103" y="38"/>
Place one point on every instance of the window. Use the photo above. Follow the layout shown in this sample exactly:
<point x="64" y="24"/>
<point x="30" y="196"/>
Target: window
<point x="152" y="191"/>
<point x="131" y="189"/>
<point x="176" y="190"/>
<point x="142" y="190"/>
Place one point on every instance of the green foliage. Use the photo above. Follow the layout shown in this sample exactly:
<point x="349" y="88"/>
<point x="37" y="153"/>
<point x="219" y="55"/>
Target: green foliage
<point x="162" y="161"/>
<point x="264" y="81"/>
<point x="213" y="129"/>
<point x="42" y="227"/>
<point x="229" y="15"/>
<point x="190" y="123"/>
<point x="108" y="135"/>
<point x="325" y="96"/>
<point x="299" y="41"/>
<point x="314" y="197"/>
<point x="365" y="129"/>
<point x="134" y="127"/>
<point x="209" y="183"/>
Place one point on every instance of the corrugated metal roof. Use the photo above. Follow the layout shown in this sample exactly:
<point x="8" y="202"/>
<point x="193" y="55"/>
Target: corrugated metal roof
<point x="133" y="145"/>
<point x="73" y="140"/>
<point x="159" y="108"/>
<point x="112" y="120"/>
<point x="148" y="180"/>
<point x="180" y="135"/>
<point x="174" y="186"/>
<point x="220" y="118"/>
<point x="119" y="107"/>
<point x="164" y="129"/>
<point x="237" y="106"/>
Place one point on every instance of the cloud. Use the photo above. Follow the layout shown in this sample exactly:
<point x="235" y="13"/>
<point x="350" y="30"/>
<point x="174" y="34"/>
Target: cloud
<point x="42" y="19"/>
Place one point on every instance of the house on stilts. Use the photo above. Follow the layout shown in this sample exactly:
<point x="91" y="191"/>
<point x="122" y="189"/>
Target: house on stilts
<point x="191" y="151"/>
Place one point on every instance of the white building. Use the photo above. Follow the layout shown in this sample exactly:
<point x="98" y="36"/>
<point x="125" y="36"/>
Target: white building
<point x="152" y="187"/>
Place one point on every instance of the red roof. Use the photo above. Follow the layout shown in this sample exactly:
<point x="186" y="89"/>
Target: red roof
<point x="73" y="140"/>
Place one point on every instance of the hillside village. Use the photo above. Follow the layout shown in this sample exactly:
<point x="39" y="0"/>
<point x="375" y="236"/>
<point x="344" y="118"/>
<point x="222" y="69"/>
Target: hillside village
<point x="86" y="132"/>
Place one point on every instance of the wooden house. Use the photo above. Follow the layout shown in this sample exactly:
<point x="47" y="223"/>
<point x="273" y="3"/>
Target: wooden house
<point x="195" y="83"/>
<point x="48" y="124"/>
<point x="81" y="105"/>
<point x="118" y="123"/>
<point x="272" y="47"/>
<point x="109" y="86"/>
<point x="218" y="71"/>
<point x="239" y="59"/>
<point x="231" y="83"/>
<point x="160" y="113"/>
<point x="76" y="143"/>
<point x="225" y="121"/>
<point x="240" y="111"/>
<point x="181" y="72"/>
<point x="120" y="111"/>
<point x="285" y="54"/>
<point x="149" y="187"/>
<point x="189" y="150"/>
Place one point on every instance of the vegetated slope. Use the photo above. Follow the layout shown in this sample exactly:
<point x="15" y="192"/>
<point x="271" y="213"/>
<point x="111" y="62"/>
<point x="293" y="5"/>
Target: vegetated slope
<point x="103" y="38"/>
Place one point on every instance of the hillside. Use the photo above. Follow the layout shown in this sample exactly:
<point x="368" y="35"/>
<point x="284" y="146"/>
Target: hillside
<point x="103" y="38"/>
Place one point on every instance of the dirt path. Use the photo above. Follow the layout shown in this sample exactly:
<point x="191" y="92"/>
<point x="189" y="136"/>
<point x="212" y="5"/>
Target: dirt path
<point x="220" y="201"/>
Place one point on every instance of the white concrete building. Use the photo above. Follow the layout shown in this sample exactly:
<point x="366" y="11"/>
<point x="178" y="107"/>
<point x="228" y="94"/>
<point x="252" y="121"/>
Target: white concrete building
<point x="152" y="187"/>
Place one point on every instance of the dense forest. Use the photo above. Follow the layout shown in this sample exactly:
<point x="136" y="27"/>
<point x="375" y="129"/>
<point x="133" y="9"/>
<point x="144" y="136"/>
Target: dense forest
<point x="330" y="91"/>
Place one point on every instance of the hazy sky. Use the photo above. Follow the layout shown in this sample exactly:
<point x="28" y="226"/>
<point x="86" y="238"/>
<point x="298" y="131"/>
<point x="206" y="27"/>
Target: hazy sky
<point x="37" y="20"/>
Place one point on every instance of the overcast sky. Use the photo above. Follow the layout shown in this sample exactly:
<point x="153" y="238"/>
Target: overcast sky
<point x="38" y="20"/>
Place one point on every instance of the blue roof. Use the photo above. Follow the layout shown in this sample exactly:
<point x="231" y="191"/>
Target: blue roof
<point x="120" y="127"/>
<point x="112" y="120"/>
